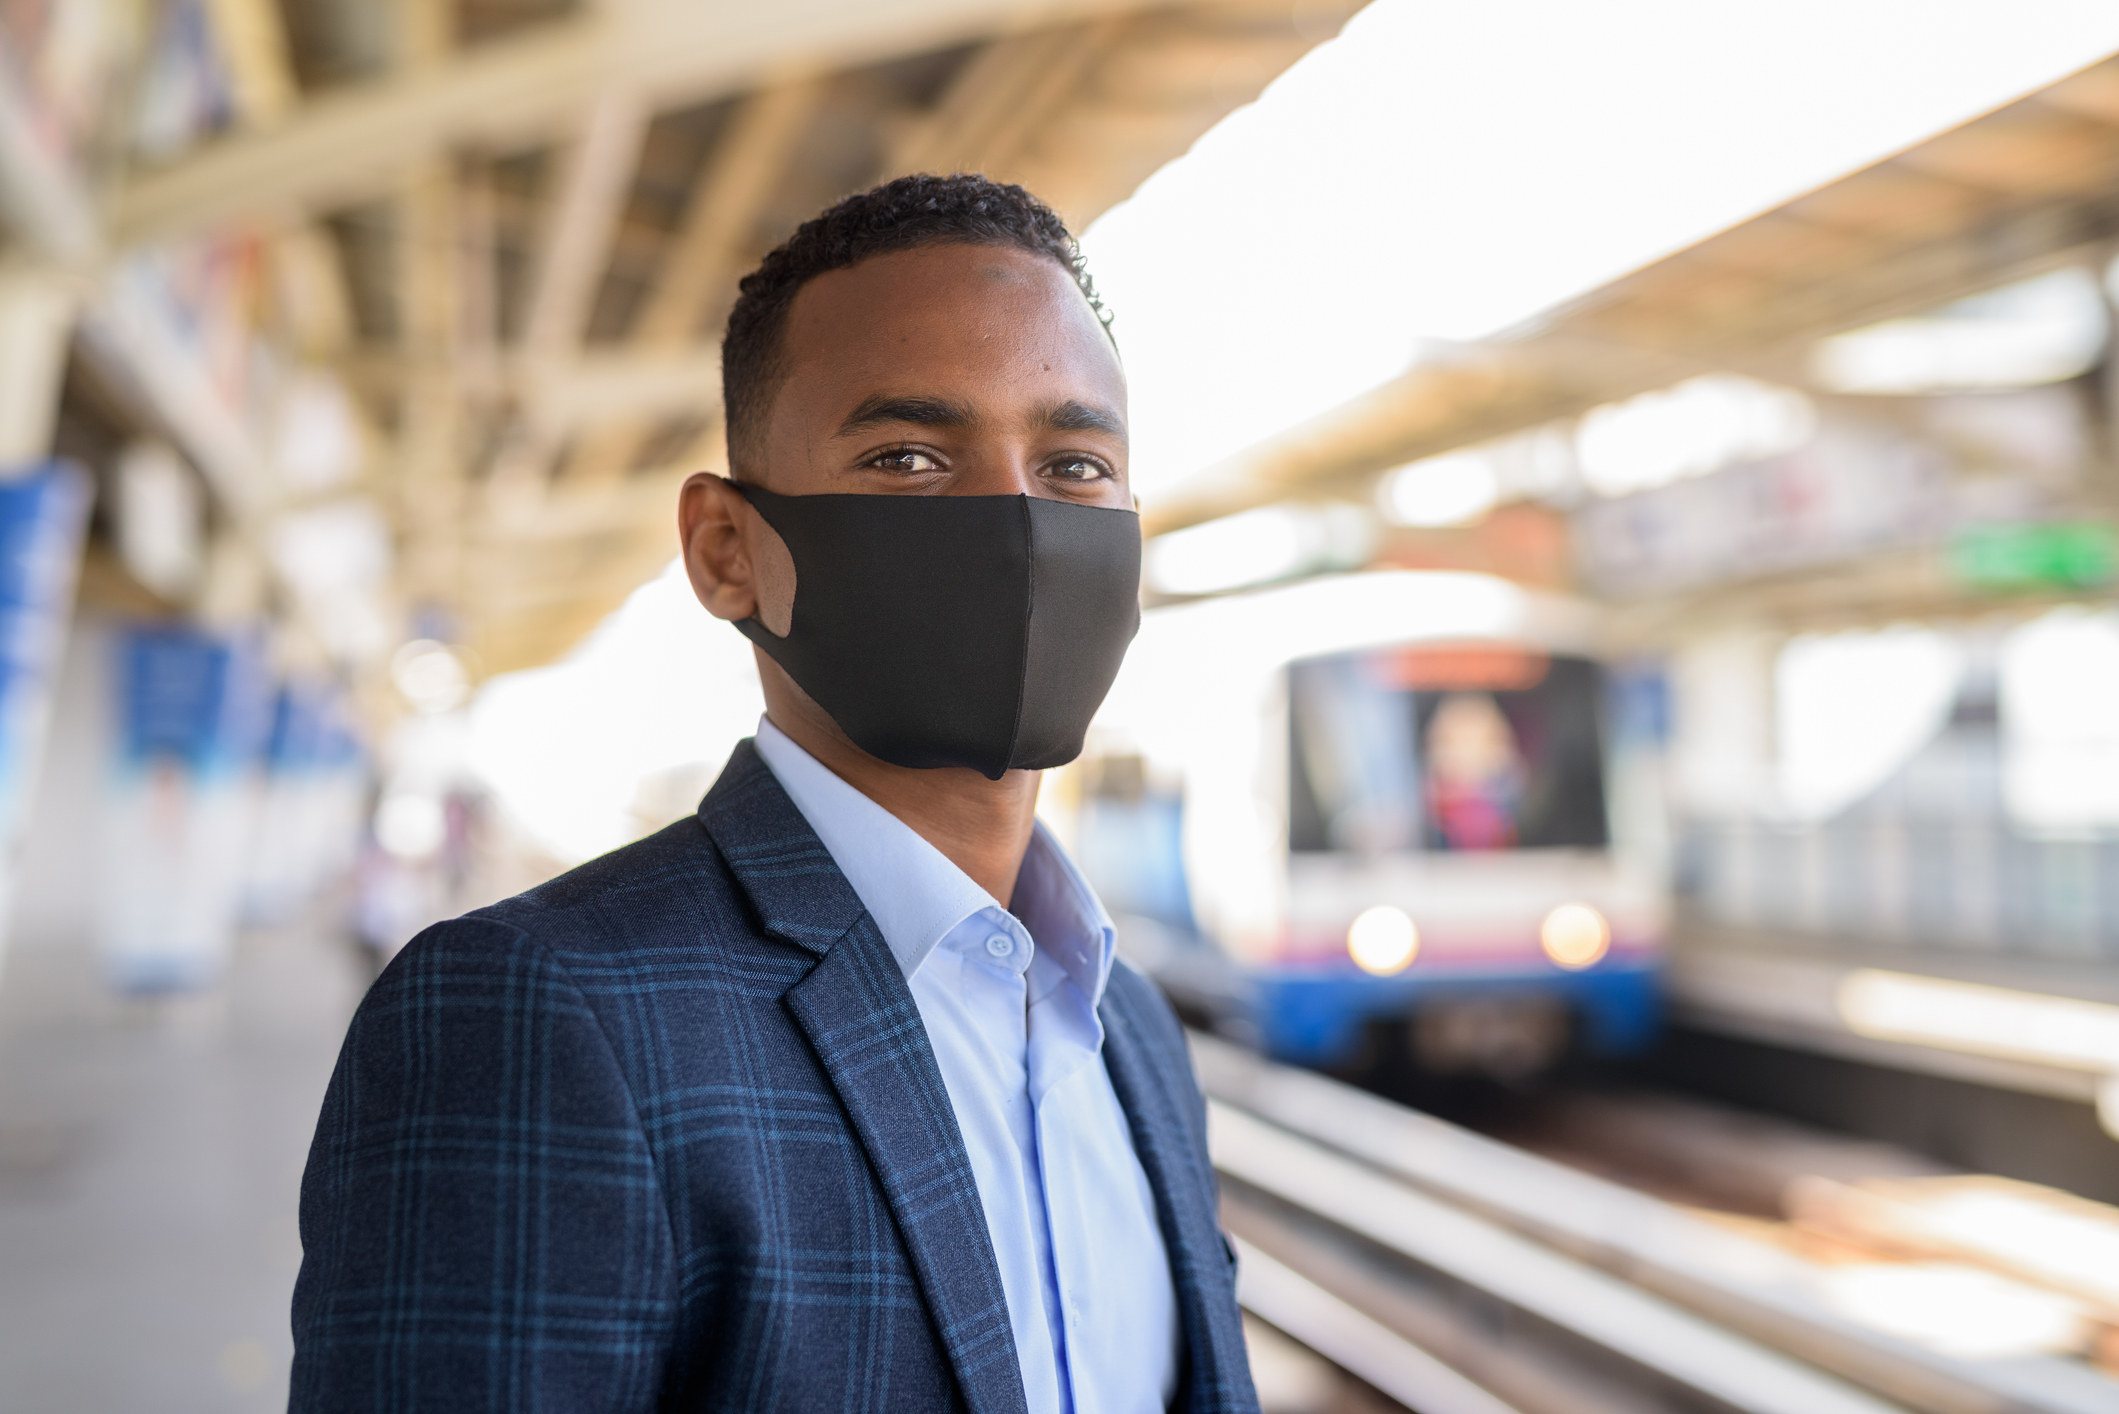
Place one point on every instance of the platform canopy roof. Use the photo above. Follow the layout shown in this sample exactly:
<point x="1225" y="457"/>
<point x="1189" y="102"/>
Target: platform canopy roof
<point x="514" y="227"/>
<point x="2009" y="194"/>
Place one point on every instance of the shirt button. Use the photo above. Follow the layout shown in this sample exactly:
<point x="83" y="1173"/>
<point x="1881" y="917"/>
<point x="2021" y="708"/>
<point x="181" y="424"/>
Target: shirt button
<point x="1000" y="945"/>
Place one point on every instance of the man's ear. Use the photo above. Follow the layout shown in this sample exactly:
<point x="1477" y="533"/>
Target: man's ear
<point x="738" y="565"/>
<point x="710" y="533"/>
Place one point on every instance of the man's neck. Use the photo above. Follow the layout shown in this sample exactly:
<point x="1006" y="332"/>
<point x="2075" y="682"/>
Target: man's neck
<point x="981" y="826"/>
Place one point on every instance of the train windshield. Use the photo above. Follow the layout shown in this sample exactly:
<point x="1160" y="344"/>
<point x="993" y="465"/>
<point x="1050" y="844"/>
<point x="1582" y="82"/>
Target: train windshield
<point x="1458" y="748"/>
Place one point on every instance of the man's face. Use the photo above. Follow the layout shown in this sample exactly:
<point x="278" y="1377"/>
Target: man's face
<point x="952" y="370"/>
<point x="955" y="370"/>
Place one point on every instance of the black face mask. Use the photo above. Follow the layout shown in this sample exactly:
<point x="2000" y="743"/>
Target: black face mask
<point x="978" y="631"/>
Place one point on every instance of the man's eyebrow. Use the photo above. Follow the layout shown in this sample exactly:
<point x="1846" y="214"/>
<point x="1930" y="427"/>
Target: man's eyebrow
<point x="881" y="408"/>
<point x="1072" y="416"/>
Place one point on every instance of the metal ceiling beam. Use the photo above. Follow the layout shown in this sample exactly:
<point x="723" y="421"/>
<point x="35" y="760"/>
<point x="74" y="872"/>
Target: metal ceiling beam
<point x="999" y="83"/>
<point x="604" y="387"/>
<point x="1905" y="235"/>
<point x="353" y="143"/>
<point x="738" y="180"/>
<point x="595" y="173"/>
<point x="252" y="43"/>
<point x="43" y="201"/>
<point x="572" y="248"/>
<point x="570" y="512"/>
<point x="428" y="490"/>
<point x="746" y="165"/>
<point x="425" y="477"/>
<point x="601" y="385"/>
<point x="1467" y="395"/>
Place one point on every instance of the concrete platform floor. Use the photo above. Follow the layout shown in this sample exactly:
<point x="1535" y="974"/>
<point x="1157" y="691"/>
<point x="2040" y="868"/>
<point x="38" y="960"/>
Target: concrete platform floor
<point x="150" y="1155"/>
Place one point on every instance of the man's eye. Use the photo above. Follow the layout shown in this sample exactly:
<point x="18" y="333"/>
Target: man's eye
<point x="1079" y="469"/>
<point x="905" y="460"/>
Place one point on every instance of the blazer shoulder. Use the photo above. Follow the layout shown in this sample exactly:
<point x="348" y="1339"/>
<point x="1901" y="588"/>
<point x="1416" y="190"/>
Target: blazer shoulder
<point x="460" y="959"/>
<point x="669" y="887"/>
<point x="680" y="852"/>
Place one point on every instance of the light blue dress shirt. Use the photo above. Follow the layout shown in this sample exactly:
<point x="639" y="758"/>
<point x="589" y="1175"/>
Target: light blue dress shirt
<point x="1009" y="1001"/>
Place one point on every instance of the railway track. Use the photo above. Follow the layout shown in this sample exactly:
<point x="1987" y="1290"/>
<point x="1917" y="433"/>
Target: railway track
<point x="1458" y="1275"/>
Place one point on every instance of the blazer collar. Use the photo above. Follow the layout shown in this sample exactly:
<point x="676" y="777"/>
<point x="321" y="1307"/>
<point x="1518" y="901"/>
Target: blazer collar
<point x="788" y="874"/>
<point x="860" y="1018"/>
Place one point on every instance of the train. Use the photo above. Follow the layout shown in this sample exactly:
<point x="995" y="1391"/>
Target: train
<point x="1402" y="809"/>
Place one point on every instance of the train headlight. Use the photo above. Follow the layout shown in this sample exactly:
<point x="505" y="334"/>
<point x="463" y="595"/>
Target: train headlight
<point x="1382" y="940"/>
<point x="1574" y="935"/>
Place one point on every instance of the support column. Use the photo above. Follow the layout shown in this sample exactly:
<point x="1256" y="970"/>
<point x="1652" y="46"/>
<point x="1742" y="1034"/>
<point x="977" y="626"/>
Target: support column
<point x="36" y="322"/>
<point x="43" y="516"/>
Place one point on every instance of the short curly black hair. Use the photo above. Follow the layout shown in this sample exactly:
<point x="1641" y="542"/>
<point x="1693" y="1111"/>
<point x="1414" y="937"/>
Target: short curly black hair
<point x="903" y="214"/>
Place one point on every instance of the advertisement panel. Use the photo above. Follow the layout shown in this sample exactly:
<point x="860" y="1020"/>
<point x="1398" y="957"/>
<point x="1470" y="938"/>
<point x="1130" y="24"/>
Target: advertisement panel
<point x="311" y="806"/>
<point x="194" y="711"/>
<point x="42" y="519"/>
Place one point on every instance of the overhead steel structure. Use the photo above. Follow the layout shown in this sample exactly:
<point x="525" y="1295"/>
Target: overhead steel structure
<point x="513" y="229"/>
<point x="2028" y="188"/>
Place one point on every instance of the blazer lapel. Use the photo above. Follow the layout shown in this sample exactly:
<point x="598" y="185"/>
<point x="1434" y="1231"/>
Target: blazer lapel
<point x="800" y="895"/>
<point x="1199" y="1257"/>
<point x="860" y="1019"/>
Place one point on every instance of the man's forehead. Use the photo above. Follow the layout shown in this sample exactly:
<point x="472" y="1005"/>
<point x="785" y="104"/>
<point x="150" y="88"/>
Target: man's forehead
<point x="946" y="263"/>
<point x="936" y="289"/>
<point x="913" y="320"/>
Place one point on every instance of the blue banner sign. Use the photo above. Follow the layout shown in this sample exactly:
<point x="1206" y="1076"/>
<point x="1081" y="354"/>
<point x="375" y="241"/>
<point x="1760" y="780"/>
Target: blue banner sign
<point x="195" y="713"/>
<point x="43" y="517"/>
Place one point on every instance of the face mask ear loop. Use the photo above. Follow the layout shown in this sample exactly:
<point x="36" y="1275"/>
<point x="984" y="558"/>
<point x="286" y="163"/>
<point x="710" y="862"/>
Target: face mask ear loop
<point x="1022" y="677"/>
<point x="745" y="490"/>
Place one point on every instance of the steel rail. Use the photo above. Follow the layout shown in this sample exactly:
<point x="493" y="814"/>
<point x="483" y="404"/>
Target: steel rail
<point x="1354" y="1340"/>
<point x="1621" y="1278"/>
<point x="1636" y="1329"/>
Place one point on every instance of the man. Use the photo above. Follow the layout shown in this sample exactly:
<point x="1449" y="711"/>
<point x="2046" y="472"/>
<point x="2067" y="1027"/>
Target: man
<point x="781" y="1108"/>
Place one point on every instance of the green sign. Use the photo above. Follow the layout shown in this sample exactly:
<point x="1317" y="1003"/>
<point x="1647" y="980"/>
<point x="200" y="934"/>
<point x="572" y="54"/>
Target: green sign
<point x="2071" y="555"/>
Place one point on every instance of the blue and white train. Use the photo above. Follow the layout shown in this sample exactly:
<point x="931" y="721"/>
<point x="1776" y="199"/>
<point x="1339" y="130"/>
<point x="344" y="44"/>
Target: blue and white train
<point x="1385" y="808"/>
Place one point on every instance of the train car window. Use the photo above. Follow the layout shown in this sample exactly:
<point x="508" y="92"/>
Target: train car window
<point x="1453" y="749"/>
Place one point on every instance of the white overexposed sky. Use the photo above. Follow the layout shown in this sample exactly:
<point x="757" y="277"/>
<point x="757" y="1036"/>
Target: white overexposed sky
<point x="661" y="684"/>
<point x="1446" y="169"/>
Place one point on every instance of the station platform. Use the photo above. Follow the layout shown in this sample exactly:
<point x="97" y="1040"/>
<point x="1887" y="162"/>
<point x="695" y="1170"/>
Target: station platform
<point x="1995" y="1063"/>
<point x="151" y="1152"/>
<point x="1788" y="989"/>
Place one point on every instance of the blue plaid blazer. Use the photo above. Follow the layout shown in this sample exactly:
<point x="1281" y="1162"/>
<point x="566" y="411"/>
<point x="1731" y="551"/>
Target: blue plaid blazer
<point x="666" y="1134"/>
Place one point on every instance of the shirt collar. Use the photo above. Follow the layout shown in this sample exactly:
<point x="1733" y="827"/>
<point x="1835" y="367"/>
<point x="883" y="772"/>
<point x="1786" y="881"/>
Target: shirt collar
<point x="1064" y="915"/>
<point x="913" y="891"/>
<point x="909" y="887"/>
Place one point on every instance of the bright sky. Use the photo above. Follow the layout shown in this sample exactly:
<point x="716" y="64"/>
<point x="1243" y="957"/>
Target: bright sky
<point x="659" y="685"/>
<point x="1446" y="169"/>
